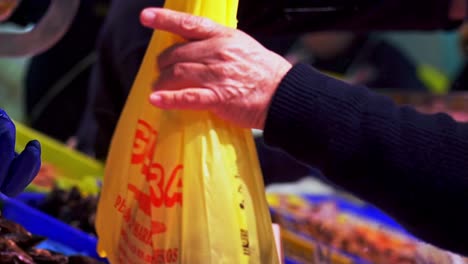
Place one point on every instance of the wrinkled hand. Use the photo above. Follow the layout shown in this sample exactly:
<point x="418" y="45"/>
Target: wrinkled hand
<point x="219" y="69"/>
<point x="16" y="171"/>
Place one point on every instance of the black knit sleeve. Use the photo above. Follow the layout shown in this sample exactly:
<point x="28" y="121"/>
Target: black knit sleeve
<point x="413" y="166"/>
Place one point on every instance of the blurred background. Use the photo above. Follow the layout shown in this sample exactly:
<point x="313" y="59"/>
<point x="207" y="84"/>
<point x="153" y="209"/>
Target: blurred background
<point x="49" y="93"/>
<point x="437" y="56"/>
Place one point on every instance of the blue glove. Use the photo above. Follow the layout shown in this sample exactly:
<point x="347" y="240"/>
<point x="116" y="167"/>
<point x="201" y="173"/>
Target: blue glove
<point x="16" y="170"/>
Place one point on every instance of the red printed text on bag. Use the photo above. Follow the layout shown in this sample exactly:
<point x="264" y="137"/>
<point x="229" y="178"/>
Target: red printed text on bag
<point x="165" y="188"/>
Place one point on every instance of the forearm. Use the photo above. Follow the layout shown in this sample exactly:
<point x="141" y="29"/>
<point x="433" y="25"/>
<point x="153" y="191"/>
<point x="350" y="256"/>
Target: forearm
<point x="413" y="166"/>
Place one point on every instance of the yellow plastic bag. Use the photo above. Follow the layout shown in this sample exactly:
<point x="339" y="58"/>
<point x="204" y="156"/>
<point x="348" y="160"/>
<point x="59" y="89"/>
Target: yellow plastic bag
<point x="220" y="215"/>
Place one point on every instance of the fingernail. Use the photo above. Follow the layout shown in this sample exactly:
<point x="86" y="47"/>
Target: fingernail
<point x="156" y="99"/>
<point x="148" y="16"/>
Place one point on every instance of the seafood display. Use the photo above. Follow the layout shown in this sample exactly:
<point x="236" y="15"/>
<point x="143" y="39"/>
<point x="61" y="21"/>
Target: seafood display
<point x="45" y="179"/>
<point x="71" y="207"/>
<point x="454" y="104"/>
<point x="17" y="246"/>
<point x="323" y="227"/>
<point x="319" y="232"/>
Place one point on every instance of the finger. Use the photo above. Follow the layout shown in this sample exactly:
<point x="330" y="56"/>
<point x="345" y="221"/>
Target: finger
<point x="182" y="24"/>
<point x="186" y="99"/>
<point x="183" y="75"/>
<point x="72" y="143"/>
<point x="7" y="144"/>
<point x="195" y="51"/>
<point x="23" y="169"/>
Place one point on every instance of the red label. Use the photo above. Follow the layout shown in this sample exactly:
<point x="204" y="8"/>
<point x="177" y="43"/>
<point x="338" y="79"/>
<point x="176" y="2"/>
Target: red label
<point x="131" y="253"/>
<point x="143" y="135"/>
<point x="165" y="255"/>
<point x="165" y="185"/>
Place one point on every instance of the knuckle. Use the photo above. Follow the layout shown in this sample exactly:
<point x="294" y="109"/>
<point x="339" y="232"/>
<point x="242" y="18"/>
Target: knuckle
<point x="198" y="24"/>
<point x="160" y="61"/>
<point x="216" y="95"/>
<point x="191" y="22"/>
<point x="163" y="58"/>
<point x="214" y="98"/>
<point x="190" y="97"/>
<point x="170" y="55"/>
<point x="227" y="55"/>
<point x="177" y="53"/>
<point x="208" y="25"/>
<point x="229" y="35"/>
<point x="222" y="53"/>
<point x="227" y="50"/>
<point x="218" y="72"/>
<point x="170" y="99"/>
<point x="179" y="70"/>
<point x="223" y="71"/>
<point x="223" y="42"/>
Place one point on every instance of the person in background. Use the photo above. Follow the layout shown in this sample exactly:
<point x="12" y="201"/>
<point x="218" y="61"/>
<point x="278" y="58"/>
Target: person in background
<point x="357" y="59"/>
<point x="56" y="81"/>
<point x="412" y="165"/>
<point x="120" y="49"/>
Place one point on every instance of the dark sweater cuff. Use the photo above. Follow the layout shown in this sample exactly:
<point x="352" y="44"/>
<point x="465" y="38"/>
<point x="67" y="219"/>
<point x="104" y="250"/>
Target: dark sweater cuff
<point x="295" y="107"/>
<point x="284" y="105"/>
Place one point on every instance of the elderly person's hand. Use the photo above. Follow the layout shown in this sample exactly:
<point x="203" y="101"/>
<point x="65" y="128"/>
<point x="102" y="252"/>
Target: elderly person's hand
<point x="219" y="69"/>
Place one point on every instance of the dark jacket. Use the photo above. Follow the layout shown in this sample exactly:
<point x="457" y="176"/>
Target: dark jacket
<point x="384" y="65"/>
<point x="121" y="47"/>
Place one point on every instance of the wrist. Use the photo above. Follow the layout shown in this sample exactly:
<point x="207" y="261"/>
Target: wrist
<point x="282" y="70"/>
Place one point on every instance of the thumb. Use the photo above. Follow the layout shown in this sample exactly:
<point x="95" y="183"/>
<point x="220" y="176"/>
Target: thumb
<point x="186" y="99"/>
<point x="185" y="25"/>
<point x="23" y="169"/>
